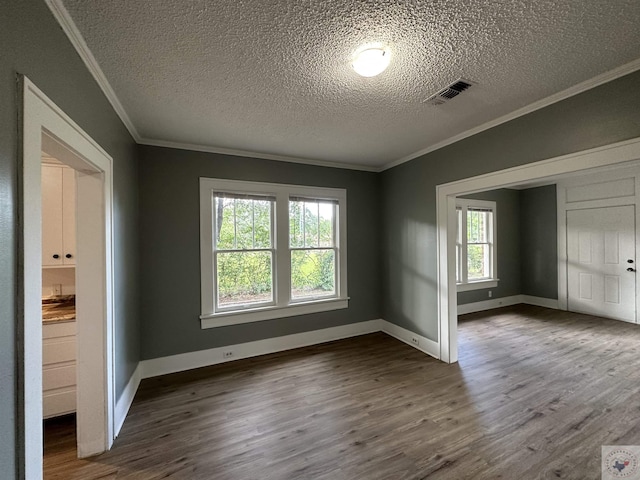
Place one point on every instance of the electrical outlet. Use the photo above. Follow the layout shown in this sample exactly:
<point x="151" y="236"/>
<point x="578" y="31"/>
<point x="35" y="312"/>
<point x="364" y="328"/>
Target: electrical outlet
<point x="490" y="293"/>
<point x="414" y="340"/>
<point x="228" y="354"/>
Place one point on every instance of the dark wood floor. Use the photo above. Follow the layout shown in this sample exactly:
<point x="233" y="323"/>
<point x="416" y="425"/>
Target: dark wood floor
<point x="534" y="396"/>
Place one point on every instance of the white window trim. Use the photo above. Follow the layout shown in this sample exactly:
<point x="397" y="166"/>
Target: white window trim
<point x="465" y="204"/>
<point x="283" y="305"/>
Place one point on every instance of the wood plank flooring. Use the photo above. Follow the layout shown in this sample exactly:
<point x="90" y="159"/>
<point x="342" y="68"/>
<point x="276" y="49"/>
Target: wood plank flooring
<point x="534" y="396"/>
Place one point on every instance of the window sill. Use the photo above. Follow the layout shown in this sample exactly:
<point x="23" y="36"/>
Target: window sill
<point x="467" y="287"/>
<point x="224" y="319"/>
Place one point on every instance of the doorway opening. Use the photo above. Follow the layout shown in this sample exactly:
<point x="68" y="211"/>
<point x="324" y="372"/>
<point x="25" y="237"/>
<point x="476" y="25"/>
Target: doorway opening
<point x="59" y="319"/>
<point x="594" y="160"/>
<point x="46" y="128"/>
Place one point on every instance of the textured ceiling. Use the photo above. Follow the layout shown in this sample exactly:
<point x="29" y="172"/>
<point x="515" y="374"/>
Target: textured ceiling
<point x="274" y="77"/>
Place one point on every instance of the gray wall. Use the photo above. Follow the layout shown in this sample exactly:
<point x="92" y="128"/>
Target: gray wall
<point x="539" y="242"/>
<point x="594" y="118"/>
<point x="508" y="246"/>
<point x="32" y="43"/>
<point x="527" y="244"/>
<point x="170" y="247"/>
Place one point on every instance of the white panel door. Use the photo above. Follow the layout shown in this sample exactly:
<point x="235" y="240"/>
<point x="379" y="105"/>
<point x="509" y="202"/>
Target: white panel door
<point x="601" y="277"/>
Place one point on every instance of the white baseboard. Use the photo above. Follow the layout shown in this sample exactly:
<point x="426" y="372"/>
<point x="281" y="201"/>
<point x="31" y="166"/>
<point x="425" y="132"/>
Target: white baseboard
<point x="489" y="304"/>
<point x="203" y="358"/>
<point x="89" y="449"/>
<point x="124" y="402"/>
<point x="213" y="356"/>
<point x="505" y="302"/>
<point x="419" y="342"/>
<point x="540" y="301"/>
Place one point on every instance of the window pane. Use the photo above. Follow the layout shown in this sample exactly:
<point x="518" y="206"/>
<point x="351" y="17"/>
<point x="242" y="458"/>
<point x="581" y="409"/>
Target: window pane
<point x="262" y="224"/>
<point x="477" y="226"/>
<point x="478" y="262"/>
<point x="242" y="223"/>
<point x="458" y="263"/>
<point x="296" y="224"/>
<point x="224" y="223"/>
<point x="313" y="273"/>
<point x="459" y="230"/>
<point x="326" y="222"/>
<point x="244" y="277"/>
<point x="310" y="224"/>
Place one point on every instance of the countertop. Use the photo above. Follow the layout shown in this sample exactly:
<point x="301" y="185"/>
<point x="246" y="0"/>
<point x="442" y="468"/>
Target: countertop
<point x="58" y="308"/>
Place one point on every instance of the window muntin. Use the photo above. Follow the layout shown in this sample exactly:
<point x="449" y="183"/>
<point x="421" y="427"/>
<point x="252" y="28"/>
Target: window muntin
<point x="270" y="257"/>
<point x="313" y="248"/>
<point x="475" y="242"/>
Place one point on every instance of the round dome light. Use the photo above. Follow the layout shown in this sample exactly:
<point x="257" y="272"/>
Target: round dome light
<point x="371" y="62"/>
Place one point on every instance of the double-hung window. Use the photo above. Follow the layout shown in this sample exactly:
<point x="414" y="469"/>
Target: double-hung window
<point x="475" y="244"/>
<point x="313" y="247"/>
<point x="270" y="250"/>
<point x="243" y="250"/>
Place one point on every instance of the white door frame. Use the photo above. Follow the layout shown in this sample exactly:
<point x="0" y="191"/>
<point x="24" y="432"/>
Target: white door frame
<point x="44" y="125"/>
<point x="616" y="153"/>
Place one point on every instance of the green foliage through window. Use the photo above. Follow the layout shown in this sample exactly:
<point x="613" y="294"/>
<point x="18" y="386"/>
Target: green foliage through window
<point x="313" y="268"/>
<point x="478" y="252"/>
<point x="244" y="257"/>
<point x="244" y="277"/>
<point x="243" y="223"/>
<point x="313" y="273"/>
<point x="474" y="251"/>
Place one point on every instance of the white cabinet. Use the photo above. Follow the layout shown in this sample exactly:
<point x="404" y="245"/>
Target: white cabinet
<point x="58" y="216"/>
<point x="58" y="368"/>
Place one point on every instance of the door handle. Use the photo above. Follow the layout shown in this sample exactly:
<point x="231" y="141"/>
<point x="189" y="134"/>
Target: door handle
<point x="631" y="269"/>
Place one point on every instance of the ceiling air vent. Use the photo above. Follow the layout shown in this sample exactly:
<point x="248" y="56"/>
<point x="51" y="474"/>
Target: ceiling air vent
<point x="447" y="93"/>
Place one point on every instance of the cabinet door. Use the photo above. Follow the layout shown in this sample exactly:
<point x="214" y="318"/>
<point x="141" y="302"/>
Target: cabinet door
<point x="69" y="216"/>
<point x="51" y="216"/>
<point x="58" y="368"/>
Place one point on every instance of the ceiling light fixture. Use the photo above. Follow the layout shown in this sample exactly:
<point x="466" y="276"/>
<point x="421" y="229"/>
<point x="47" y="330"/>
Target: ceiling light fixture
<point x="371" y="62"/>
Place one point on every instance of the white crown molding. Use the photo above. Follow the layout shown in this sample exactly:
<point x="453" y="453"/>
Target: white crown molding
<point x="77" y="40"/>
<point x="63" y="17"/>
<point x="545" y="102"/>
<point x="69" y="27"/>
<point x="245" y="153"/>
